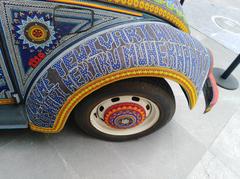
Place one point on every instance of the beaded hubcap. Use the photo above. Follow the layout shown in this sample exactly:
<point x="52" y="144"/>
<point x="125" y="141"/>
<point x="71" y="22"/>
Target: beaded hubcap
<point x="124" y="115"/>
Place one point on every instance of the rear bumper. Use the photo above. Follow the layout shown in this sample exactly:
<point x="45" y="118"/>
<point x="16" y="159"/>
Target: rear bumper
<point x="210" y="90"/>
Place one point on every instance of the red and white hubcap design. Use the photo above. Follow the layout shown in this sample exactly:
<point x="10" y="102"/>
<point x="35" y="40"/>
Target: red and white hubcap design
<point x="124" y="115"/>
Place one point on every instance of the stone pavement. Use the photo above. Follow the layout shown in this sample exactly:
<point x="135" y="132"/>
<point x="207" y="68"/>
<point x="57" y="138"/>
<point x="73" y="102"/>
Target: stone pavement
<point x="192" y="145"/>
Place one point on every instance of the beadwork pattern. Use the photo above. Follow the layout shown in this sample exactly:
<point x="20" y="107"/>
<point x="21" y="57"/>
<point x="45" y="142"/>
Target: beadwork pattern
<point x="3" y="84"/>
<point x="54" y="32"/>
<point x="124" y="115"/>
<point x="160" y="49"/>
<point x="57" y="67"/>
<point x="169" y="10"/>
<point x="6" y="87"/>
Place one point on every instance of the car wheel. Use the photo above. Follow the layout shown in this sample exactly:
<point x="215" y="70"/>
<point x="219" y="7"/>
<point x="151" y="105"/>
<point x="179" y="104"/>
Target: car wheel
<point x="126" y="109"/>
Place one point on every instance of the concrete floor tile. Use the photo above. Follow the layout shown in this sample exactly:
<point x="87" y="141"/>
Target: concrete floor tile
<point x="198" y="35"/>
<point x="31" y="157"/>
<point x="87" y="157"/>
<point x="205" y="127"/>
<point x="170" y="153"/>
<point x="168" y="150"/>
<point x="211" y="168"/>
<point x="226" y="3"/>
<point x="7" y="136"/>
<point x="206" y="24"/>
<point x="227" y="145"/>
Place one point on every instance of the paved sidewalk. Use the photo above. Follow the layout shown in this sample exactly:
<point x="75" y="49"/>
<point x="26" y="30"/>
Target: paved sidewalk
<point x="222" y="158"/>
<point x="192" y="145"/>
<point x="219" y="20"/>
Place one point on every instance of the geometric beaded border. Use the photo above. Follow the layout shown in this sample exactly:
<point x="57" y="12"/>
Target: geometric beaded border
<point x="152" y="8"/>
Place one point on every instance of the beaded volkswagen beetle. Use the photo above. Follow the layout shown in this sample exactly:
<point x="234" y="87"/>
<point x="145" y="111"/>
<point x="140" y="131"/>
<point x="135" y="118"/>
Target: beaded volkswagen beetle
<point x="103" y="62"/>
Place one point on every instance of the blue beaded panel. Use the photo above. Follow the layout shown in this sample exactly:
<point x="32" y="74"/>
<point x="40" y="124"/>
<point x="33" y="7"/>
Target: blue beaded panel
<point x="3" y="84"/>
<point x="150" y="6"/>
<point x="142" y="44"/>
<point x="61" y="27"/>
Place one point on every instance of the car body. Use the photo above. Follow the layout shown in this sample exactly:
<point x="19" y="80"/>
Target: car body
<point x="56" y="53"/>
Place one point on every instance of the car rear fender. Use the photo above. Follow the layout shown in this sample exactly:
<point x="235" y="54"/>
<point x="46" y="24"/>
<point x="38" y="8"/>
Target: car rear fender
<point x="138" y="49"/>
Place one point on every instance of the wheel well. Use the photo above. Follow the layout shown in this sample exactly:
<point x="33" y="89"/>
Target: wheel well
<point x="160" y="81"/>
<point x="157" y="74"/>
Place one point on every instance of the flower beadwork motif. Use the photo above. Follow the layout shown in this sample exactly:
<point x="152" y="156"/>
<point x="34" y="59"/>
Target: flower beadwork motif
<point x="35" y="31"/>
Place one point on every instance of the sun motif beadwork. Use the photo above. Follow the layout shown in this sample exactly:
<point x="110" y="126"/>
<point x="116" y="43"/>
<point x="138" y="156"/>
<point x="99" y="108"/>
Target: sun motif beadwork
<point x="124" y="115"/>
<point x="35" y="31"/>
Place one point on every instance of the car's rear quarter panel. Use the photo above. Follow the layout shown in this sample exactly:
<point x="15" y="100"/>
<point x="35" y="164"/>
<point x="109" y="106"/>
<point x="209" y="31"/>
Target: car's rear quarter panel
<point x="125" y="51"/>
<point x="152" y="41"/>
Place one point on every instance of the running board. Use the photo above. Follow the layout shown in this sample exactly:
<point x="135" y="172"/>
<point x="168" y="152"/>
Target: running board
<point x="13" y="117"/>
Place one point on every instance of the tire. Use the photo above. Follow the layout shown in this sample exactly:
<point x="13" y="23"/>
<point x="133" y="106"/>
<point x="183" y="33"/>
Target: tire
<point x="152" y="98"/>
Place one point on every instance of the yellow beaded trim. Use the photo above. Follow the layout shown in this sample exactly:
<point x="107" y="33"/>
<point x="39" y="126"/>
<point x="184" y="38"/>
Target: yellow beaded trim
<point x="86" y="4"/>
<point x="7" y="101"/>
<point x="152" y="8"/>
<point x="94" y="85"/>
